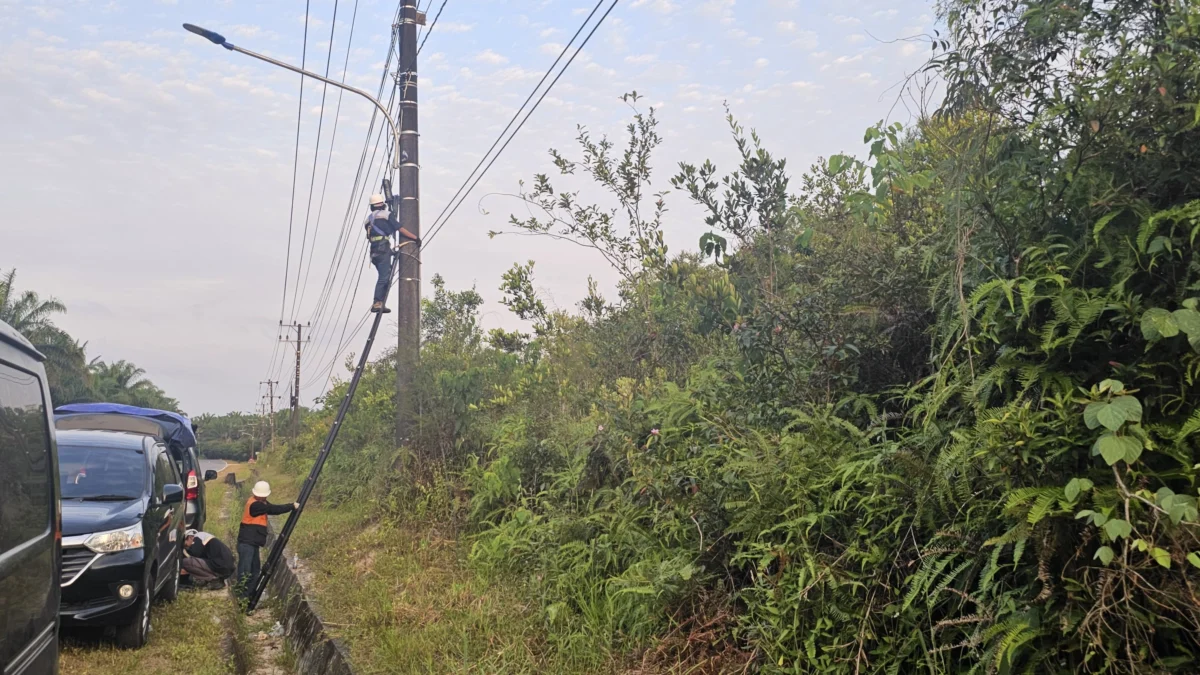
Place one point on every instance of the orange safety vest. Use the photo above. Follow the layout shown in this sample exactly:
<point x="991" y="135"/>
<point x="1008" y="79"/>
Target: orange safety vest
<point x="248" y="519"/>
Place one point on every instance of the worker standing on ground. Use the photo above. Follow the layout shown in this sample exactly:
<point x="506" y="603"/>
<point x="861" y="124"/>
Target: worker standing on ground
<point x="380" y="225"/>
<point x="252" y="534"/>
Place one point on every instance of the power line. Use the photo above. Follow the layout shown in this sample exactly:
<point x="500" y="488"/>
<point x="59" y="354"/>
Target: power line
<point x="295" y="162"/>
<point x="295" y="172"/>
<point x="441" y="221"/>
<point x="278" y="367"/>
<point x="431" y="26"/>
<point x="326" y="337"/>
<point x="520" y="110"/>
<point x="339" y="256"/>
<point x="298" y="294"/>
<point x="336" y="259"/>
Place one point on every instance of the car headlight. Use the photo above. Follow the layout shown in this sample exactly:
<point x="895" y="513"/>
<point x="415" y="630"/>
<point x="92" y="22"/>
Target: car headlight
<point x="116" y="540"/>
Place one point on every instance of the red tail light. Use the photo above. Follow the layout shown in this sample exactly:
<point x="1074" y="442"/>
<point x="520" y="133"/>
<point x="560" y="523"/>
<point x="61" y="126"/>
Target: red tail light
<point x="193" y="486"/>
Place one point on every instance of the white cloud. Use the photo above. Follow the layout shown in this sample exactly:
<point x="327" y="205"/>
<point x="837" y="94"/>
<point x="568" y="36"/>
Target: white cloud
<point x="844" y="20"/>
<point x="761" y="63"/>
<point x="806" y="39"/>
<point x="99" y="96"/>
<point x="660" y="6"/>
<point x="489" y="56"/>
<point x="456" y="27"/>
<point x="786" y="26"/>
<point x="46" y="13"/>
<point x="641" y="59"/>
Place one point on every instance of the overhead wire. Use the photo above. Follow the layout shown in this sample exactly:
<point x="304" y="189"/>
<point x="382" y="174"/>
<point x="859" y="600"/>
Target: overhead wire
<point x="340" y="246"/>
<point x="444" y="218"/>
<point x="328" y="164"/>
<point x="358" y="190"/>
<point x="335" y="263"/>
<point x="298" y="293"/>
<point x="346" y="299"/>
<point x="432" y="25"/>
<point x="295" y="174"/>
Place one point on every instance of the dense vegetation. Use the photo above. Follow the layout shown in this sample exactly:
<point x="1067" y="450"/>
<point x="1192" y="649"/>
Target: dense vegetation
<point x="931" y="411"/>
<point x="73" y="378"/>
<point x="234" y="436"/>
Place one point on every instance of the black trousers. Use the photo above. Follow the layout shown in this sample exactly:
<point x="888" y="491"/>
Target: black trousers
<point x="381" y="258"/>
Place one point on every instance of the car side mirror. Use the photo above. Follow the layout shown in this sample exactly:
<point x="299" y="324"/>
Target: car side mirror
<point x="172" y="494"/>
<point x="210" y="475"/>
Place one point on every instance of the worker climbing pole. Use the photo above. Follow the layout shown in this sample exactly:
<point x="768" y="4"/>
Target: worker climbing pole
<point x="388" y="217"/>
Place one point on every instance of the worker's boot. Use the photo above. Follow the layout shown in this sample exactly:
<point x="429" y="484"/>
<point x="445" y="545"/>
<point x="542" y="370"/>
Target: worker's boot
<point x="378" y="307"/>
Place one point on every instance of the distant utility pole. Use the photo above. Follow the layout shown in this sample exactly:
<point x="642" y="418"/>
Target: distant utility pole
<point x="408" y="291"/>
<point x="261" y="410"/>
<point x="271" y="402"/>
<point x="299" y="328"/>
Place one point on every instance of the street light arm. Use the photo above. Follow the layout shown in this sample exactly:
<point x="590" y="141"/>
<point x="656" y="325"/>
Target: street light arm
<point x="218" y="39"/>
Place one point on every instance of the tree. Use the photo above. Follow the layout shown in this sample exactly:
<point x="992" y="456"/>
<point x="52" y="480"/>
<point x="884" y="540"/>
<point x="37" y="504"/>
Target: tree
<point x="33" y="317"/>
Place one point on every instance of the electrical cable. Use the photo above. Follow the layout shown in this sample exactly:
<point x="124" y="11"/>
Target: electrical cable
<point x="329" y="159"/>
<point x="295" y="172"/>
<point x="298" y="293"/>
<point x="439" y="225"/>
<point x="337" y="256"/>
<point x="431" y="26"/>
<point x="521" y="109"/>
<point x="326" y="337"/>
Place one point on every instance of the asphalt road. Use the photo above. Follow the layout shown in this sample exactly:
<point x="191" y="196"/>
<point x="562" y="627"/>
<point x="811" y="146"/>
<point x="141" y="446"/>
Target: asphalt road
<point x="217" y="465"/>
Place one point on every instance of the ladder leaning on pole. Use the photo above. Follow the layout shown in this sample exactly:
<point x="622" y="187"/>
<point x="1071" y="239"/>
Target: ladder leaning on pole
<point x="276" y="555"/>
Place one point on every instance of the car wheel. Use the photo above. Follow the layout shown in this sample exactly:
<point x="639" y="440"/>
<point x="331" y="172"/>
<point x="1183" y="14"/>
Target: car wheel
<point x="171" y="590"/>
<point x="133" y="635"/>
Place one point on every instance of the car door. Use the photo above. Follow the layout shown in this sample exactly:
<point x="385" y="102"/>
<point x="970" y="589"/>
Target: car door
<point x="29" y="538"/>
<point x="165" y="514"/>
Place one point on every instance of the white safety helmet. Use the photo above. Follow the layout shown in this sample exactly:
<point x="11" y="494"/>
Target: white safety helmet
<point x="378" y="200"/>
<point x="261" y="489"/>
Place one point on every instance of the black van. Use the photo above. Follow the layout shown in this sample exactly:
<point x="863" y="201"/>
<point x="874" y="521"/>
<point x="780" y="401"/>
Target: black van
<point x="30" y="550"/>
<point x="123" y="526"/>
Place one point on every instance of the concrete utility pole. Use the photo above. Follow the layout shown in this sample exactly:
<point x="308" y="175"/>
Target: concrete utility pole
<point x="299" y="328"/>
<point x="271" y="402"/>
<point x="261" y="411"/>
<point x="408" y="292"/>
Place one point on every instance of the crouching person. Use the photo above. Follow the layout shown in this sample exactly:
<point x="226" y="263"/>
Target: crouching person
<point x="207" y="561"/>
<point x="252" y="535"/>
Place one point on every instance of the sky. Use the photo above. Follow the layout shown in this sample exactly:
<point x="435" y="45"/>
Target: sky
<point x="148" y="181"/>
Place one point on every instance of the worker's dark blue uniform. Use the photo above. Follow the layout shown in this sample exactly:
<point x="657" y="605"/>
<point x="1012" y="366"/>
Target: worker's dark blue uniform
<point x="380" y="227"/>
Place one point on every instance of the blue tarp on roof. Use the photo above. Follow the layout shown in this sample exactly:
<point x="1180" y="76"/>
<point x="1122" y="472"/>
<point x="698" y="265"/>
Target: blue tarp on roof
<point x="176" y="427"/>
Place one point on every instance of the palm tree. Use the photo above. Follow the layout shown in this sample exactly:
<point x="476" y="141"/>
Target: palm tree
<point x="124" y="382"/>
<point x="32" y="317"/>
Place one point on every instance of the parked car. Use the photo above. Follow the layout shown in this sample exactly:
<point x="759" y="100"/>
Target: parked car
<point x="30" y="551"/>
<point x="123" y="526"/>
<point x="172" y="429"/>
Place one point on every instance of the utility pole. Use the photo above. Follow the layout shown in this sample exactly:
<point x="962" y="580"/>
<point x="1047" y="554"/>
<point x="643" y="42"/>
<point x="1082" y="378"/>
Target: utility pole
<point x="408" y="291"/>
<point x="299" y="328"/>
<point x="271" y="402"/>
<point x="261" y="410"/>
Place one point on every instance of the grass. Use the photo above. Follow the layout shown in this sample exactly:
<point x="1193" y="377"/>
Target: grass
<point x="403" y="601"/>
<point x="187" y="636"/>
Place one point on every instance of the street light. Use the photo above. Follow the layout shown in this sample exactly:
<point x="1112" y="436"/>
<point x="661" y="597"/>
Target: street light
<point x="218" y="39"/>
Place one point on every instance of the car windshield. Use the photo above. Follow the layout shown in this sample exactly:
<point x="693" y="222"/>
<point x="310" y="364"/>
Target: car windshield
<point x="97" y="473"/>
